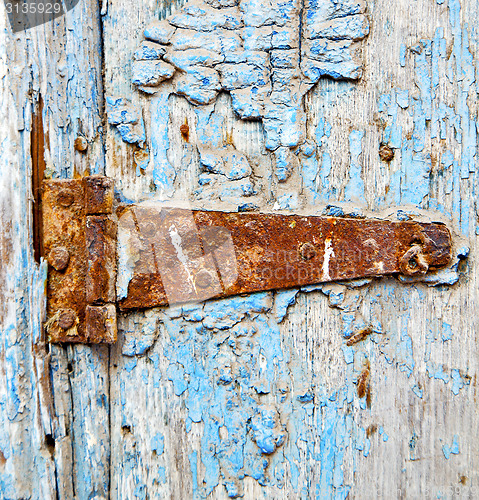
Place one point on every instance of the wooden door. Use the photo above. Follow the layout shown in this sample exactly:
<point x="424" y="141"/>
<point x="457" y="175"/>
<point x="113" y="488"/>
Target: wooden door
<point x="365" y="389"/>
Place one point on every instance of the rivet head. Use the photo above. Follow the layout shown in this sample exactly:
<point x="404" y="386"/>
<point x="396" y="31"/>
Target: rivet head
<point x="204" y="279"/>
<point x="58" y="258"/>
<point x="66" y="319"/>
<point x="386" y="153"/>
<point x="81" y="144"/>
<point x="65" y="198"/>
<point x="307" y="251"/>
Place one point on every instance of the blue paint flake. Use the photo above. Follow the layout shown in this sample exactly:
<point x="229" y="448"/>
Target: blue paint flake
<point x="158" y="444"/>
<point x="127" y="119"/>
<point x="453" y="449"/>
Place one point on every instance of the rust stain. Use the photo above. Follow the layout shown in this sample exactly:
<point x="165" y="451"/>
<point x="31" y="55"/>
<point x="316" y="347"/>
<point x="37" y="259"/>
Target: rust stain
<point x="275" y="251"/>
<point x="229" y="138"/>
<point x="359" y="335"/>
<point x="371" y="429"/>
<point x="98" y="195"/>
<point x="101" y="324"/>
<point x="101" y="248"/>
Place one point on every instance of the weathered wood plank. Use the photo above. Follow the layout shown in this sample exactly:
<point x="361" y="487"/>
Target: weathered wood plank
<point x="376" y="418"/>
<point x="46" y="420"/>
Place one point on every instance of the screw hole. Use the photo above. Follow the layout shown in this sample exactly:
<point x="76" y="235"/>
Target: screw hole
<point x="413" y="262"/>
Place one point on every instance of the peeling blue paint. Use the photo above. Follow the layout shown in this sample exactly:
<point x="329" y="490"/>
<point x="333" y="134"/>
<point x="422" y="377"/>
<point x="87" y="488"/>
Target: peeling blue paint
<point x="453" y="449"/>
<point x="164" y="174"/>
<point x="411" y="182"/>
<point x="127" y="119"/>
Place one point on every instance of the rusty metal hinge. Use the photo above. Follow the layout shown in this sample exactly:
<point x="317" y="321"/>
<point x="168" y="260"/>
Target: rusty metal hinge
<point x="174" y="255"/>
<point x="79" y="238"/>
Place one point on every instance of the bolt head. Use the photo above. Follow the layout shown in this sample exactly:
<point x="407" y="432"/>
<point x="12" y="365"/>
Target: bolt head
<point x="307" y="251"/>
<point x="204" y="279"/>
<point x="65" y="198"/>
<point x="66" y="319"/>
<point x="58" y="258"/>
<point x="81" y="144"/>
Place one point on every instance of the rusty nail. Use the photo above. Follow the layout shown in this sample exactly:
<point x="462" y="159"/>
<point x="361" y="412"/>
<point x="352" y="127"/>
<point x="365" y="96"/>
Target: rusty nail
<point x="65" y="198"/>
<point x="386" y="153"/>
<point x="203" y="279"/>
<point x="413" y="262"/>
<point x="58" y="258"/>
<point x="66" y="319"/>
<point x="307" y="251"/>
<point x="359" y="335"/>
<point x="185" y="130"/>
<point x="81" y="144"/>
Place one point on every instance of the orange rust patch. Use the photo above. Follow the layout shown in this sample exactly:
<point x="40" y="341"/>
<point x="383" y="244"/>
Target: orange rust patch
<point x="371" y="430"/>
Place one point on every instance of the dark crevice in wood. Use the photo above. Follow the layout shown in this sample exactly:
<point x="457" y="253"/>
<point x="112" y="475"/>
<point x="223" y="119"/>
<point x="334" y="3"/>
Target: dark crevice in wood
<point x="50" y="444"/>
<point x="101" y="84"/>
<point x="37" y="151"/>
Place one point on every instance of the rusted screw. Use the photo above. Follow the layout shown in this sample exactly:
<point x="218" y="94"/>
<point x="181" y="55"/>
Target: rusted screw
<point x="66" y="319"/>
<point x="81" y="144"/>
<point x="204" y="279"/>
<point x="58" y="258"/>
<point x="413" y="262"/>
<point x="386" y="153"/>
<point x="185" y="130"/>
<point x="307" y="251"/>
<point x="65" y="198"/>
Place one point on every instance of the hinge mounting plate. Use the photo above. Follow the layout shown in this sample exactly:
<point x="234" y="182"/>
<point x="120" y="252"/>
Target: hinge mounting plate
<point x="79" y="238"/>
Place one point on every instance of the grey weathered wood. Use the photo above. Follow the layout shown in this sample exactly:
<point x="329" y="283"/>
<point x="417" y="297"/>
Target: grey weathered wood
<point x="48" y="414"/>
